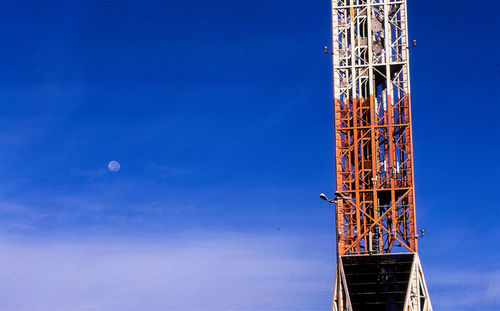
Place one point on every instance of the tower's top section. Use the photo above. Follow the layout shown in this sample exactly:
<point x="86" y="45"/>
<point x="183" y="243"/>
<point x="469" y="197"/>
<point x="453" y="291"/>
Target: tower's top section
<point x="373" y="145"/>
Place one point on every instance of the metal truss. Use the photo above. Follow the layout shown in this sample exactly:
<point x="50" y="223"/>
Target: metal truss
<point x="417" y="298"/>
<point x="375" y="209"/>
<point x="373" y="144"/>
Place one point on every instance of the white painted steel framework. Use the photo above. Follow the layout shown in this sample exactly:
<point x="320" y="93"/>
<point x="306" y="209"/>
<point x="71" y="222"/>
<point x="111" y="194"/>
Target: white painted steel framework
<point x="417" y="297"/>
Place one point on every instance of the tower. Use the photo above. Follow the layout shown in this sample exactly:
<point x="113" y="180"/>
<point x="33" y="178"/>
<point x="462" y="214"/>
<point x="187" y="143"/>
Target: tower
<point x="378" y="267"/>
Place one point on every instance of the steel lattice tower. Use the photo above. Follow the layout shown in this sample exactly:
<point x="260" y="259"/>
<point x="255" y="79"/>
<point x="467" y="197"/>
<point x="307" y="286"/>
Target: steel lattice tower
<point x="378" y="265"/>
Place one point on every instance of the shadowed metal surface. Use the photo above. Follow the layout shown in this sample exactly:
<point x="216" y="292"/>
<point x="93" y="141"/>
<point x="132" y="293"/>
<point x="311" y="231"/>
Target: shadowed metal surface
<point x="377" y="282"/>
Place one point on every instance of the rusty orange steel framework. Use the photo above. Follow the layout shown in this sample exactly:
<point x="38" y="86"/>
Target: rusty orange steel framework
<point x="373" y="142"/>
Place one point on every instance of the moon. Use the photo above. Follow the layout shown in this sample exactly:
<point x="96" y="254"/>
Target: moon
<point x="114" y="166"/>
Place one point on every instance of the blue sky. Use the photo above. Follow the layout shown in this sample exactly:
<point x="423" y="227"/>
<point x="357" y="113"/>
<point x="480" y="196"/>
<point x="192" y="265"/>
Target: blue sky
<point x="220" y="114"/>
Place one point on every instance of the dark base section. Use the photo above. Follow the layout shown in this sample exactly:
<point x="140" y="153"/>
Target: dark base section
<point x="377" y="282"/>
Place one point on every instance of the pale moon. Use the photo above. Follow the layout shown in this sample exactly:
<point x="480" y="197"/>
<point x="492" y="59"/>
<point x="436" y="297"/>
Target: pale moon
<point x="114" y="166"/>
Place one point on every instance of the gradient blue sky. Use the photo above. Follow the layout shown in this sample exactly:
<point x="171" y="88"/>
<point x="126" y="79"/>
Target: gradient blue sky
<point x="220" y="113"/>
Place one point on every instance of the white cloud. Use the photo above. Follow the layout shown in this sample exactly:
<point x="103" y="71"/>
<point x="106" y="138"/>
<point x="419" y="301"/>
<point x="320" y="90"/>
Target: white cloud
<point x="226" y="272"/>
<point x="469" y="288"/>
<point x="199" y="271"/>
